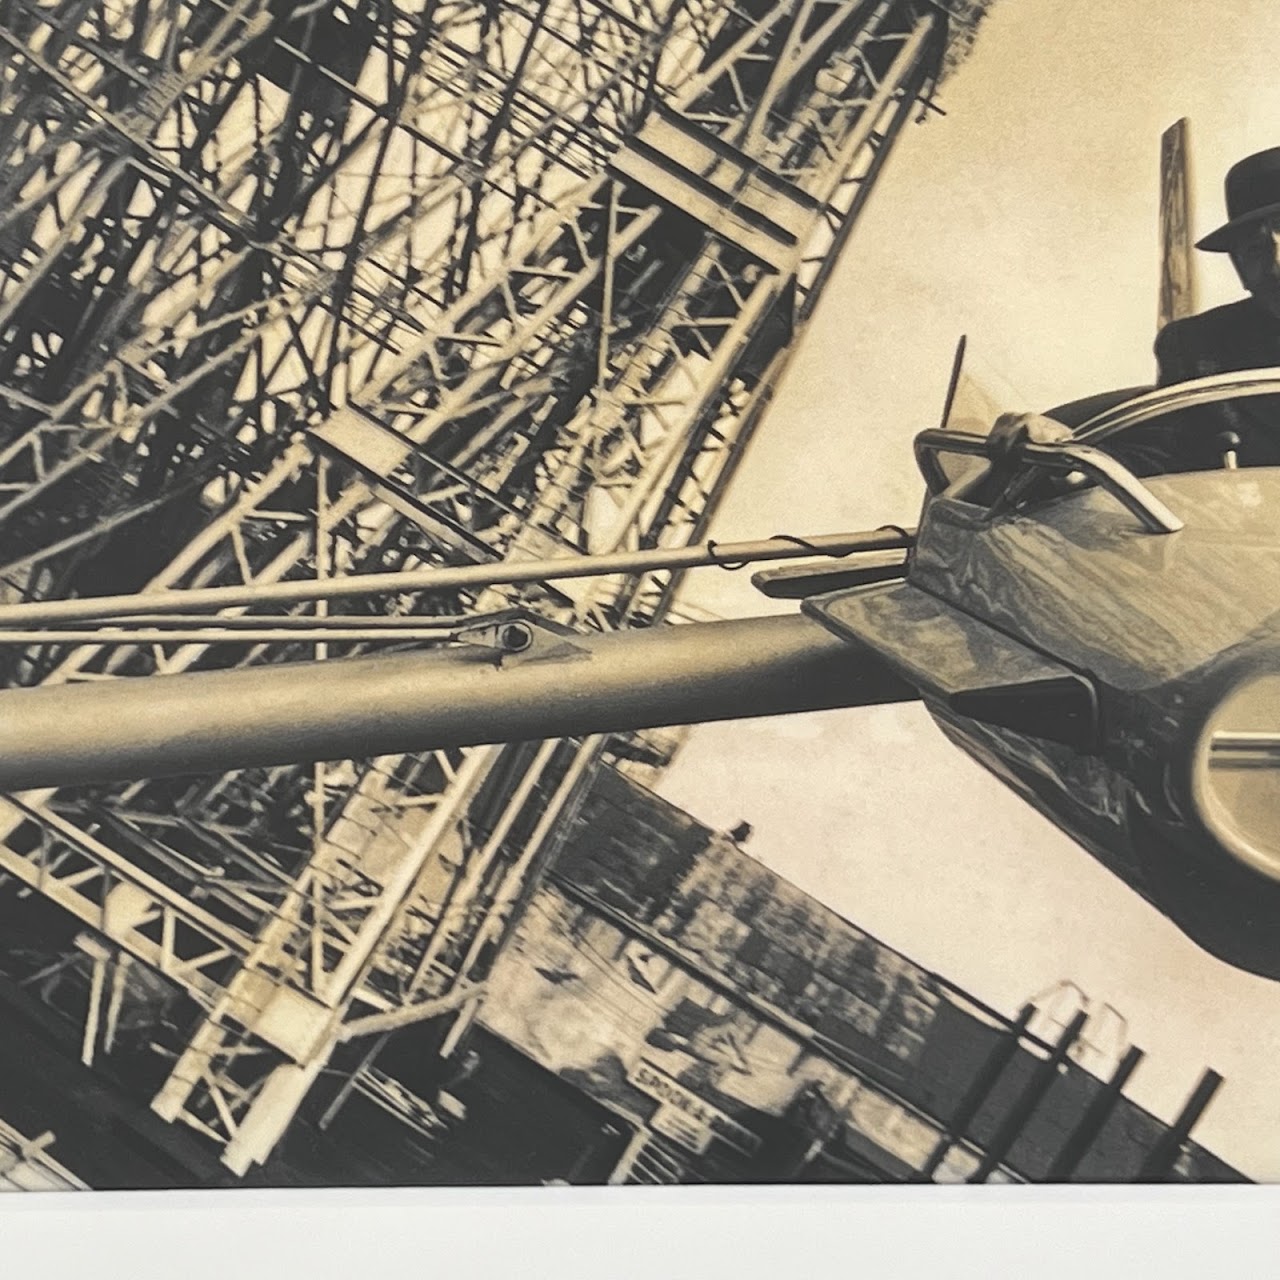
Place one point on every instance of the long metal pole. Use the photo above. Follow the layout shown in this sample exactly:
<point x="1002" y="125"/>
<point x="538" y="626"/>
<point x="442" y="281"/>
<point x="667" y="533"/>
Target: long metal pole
<point x="502" y="573"/>
<point x="293" y="713"/>
<point x="112" y="635"/>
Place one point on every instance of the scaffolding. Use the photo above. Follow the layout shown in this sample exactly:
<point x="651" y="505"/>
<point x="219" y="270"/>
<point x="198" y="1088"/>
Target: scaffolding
<point x="299" y="290"/>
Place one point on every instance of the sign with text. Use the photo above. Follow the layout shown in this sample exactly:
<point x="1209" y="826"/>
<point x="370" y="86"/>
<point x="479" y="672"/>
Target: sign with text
<point x="652" y="1080"/>
<point x="675" y="1124"/>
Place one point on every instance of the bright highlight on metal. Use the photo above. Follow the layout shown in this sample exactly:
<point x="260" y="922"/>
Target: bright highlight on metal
<point x="1236" y="773"/>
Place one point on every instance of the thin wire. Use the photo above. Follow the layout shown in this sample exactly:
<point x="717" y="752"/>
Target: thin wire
<point x="727" y="565"/>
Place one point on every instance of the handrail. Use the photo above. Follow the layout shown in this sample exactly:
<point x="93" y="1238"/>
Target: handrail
<point x="1240" y="384"/>
<point x="930" y="443"/>
<point x="1109" y="474"/>
<point x="1062" y="458"/>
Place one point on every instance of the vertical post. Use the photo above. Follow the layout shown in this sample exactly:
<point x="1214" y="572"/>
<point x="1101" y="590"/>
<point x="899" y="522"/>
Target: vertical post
<point x="119" y="979"/>
<point x="622" y="1170"/>
<point x="461" y="1025"/>
<point x="1160" y="1158"/>
<point x="979" y="1088"/>
<point x="606" y="289"/>
<point x="319" y="770"/>
<point x="94" y="1015"/>
<point x="349" y="1084"/>
<point x="1021" y="1111"/>
<point x="323" y="568"/>
<point x="1104" y="1102"/>
<point x="1177" y="261"/>
<point x="277" y="1102"/>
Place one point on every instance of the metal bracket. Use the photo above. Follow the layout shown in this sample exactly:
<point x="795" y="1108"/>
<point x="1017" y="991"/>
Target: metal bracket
<point x="519" y="634"/>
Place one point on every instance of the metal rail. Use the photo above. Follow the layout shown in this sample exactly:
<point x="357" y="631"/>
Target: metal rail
<point x="466" y="577"/>
<point x="1060" y="459"/>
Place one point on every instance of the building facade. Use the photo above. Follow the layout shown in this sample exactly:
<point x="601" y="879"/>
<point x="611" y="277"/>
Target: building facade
<point x="743" y="1031"/>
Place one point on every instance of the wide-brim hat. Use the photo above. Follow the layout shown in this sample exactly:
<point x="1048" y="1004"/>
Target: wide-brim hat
<point x="1253" y="192"/>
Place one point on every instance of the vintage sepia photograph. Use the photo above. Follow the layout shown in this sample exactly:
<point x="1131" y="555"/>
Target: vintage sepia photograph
<point x="639" y="593"/>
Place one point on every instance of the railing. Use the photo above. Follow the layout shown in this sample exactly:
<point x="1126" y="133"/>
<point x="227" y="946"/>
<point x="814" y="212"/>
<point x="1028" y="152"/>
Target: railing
<point x="1063" y="459"/>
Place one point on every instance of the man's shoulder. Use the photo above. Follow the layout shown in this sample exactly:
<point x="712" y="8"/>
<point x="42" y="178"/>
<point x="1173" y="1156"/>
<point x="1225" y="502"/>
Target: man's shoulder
<point x="1233" y="317"/>
<point x="1239" y="335"/>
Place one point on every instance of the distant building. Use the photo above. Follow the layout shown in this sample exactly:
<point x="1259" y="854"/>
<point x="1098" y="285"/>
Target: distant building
<point x="739" y="1030"/>
<point x="667" y="1010"/>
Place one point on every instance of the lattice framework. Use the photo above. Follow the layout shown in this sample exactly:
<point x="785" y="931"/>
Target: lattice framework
<point x="302" y="290"/>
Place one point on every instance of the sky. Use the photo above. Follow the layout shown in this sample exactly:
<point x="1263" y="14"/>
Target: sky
<point x="1026" y="218"/>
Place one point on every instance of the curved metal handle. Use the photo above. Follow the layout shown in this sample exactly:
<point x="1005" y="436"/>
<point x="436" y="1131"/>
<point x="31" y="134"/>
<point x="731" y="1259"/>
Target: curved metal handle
<point x="928" y="444"/>
<point x="1108" y="474"/>
<point x="1063" y="458"/>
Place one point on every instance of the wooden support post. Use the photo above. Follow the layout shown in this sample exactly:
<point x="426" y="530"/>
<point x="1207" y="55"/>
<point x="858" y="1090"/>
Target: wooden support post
<point x="1177" y="261"/>
<point x="349" y="1084"/>
<point x="119" y="979"/>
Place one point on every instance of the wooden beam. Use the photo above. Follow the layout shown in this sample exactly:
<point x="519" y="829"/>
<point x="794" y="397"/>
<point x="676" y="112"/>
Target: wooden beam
<point x="1177" y="265"/>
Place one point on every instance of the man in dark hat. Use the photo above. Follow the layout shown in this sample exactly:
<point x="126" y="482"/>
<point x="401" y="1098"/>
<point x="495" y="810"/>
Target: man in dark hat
<point x="1244" y="334"/>
<point x="1240" y="335"/>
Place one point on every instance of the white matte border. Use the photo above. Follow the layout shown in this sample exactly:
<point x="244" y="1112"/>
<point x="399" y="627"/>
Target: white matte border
<point x="686" y="1234"/>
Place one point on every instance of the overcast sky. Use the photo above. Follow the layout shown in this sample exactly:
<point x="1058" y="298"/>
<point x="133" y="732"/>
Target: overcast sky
<point x="1027" y="219"/>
